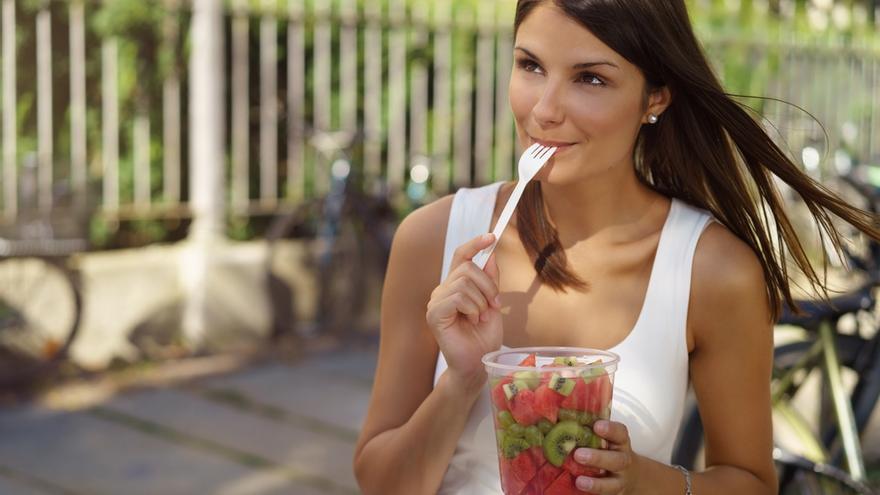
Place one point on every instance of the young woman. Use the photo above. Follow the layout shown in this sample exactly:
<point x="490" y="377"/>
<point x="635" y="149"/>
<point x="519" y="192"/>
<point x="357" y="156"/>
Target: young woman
<point x="648" y="233"/>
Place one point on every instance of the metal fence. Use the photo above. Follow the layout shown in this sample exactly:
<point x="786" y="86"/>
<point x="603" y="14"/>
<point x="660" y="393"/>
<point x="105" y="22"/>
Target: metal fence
<point x="426" y="82"/>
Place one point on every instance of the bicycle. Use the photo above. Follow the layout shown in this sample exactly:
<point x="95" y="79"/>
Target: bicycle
<point x="351" y="232"/>
<point x="830" y="351"/>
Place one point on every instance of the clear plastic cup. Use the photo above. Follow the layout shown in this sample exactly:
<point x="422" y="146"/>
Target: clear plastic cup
<point x="545" y="401"/>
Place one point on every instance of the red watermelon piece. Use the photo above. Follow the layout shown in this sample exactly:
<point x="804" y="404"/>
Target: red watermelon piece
<point x="578" y="398"/>
<point x="547" y="402"/>
<point x="599" y="392"/>
<point x="547" y="475"/>
<point x="509" y="482"/>
<point x="498" y="397"/>
<point x="538" y="455"/>
<point x="528" y="360"/>
<point x="564" y="485"/>
<point x="522" y="406"/>
<point x="523" y="466"/>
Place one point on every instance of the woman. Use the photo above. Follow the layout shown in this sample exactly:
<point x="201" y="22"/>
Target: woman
<point x="648" y="233"/>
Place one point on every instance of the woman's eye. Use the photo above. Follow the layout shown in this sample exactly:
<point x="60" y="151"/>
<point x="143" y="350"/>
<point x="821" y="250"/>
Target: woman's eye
<point x="528" y="65"/>
<point x="591" y="79"/>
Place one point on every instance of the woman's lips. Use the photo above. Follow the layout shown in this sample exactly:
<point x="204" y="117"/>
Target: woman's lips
<point x="560" y="146"/>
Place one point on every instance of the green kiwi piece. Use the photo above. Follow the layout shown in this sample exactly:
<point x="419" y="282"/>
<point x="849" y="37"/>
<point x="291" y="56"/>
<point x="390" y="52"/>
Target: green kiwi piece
<point x="561" y="384"/>
<point x="505" y="419"/>
<point x="516" y="430"/>
<point x="534" y="436"/>
<point x="585" y="441"/>
<point x="511" y="447"/>
<point x="499" y="436"/>
<point x="531" y="379"/>
<point x="565" y="361"/>
<point x="561" y="440"/>
<point x="586" y="418"/>
<point x="544" y="425"/>
<point x="595" y="442"/>
<point x="568" y="415"/>
<point x="510" y="389"/>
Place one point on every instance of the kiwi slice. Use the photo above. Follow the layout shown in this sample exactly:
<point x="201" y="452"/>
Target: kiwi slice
<point x="544" y="425"/>
<point x="568" y="415"/>
<point x="510" y="389"/>
<point x="565" y="361"/>
<point x="511" y="446"/>
<point x="594" y="441"/>
<point x="516" y="430"/>
<point x="505" y="419"/>
<point x="561" y="384"/>
<point x="561" y="440"/>
<point x="534" y="436"/>
<point x="531" y="379"/>
<point x="586" y="418"/>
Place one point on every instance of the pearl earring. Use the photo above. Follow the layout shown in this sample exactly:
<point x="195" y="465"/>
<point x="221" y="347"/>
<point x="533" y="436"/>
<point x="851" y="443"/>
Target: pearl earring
<point x="653" y="118"/>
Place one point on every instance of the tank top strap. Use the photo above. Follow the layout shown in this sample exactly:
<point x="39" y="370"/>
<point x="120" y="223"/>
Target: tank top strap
<point x="670" y="285"/>
<point x="470" y="216"/>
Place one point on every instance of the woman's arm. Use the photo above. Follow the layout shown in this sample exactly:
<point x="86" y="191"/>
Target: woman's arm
<point x="412" y="427"/>
<point x="731" y="366"/>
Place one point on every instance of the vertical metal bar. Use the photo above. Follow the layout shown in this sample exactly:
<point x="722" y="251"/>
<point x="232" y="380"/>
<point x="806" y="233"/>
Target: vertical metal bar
<point x="843" y="409"/>
<point x="373" y="90"/>
<point x="240" y="193"/>
<point x="78" y="104"/>
<point x="44" y="108"/>
<point x="296" y="101"/>
<point x="418" y="101"/>
<point x="10" y="168"/>
<point x="322" y="118"/>
<point x="110" y="124"/>
<point x="269" y="104"/>
<point x="348" y="73"/>
<point x="485" y="101"/>
<point x="440" y="150"/>
<point x="504" y="142"/>
<point x="142" y="161"/>
<point x="463" y="69"/>
<point x="397" y="96"/>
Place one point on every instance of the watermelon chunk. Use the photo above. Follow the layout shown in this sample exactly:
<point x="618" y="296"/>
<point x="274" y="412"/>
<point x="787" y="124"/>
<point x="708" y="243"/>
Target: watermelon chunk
<point x="528" y="360"/>
<point x="537" y="453"/>
<point x="523" y="467"/>
<point x="599" y="391"/>
<point x="498" y="397"/>
<point x="509" y="481"/>
<point x="522" y="406"/>
<point x="578" y="398"/>
<point x="547" y="403"/>
<point x="547" y="475"/>
<point x="564" y="485"/>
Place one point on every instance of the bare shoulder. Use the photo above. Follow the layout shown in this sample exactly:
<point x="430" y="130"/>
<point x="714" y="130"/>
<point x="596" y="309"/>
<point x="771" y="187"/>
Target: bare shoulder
<point x="422" y="234"/>
<point x="727" y="284"/>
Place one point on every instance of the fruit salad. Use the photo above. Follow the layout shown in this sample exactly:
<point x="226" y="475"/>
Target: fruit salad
<point x="543" y="412"/>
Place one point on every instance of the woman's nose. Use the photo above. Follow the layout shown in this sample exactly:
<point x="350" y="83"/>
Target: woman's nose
<point x="548" y="110"/>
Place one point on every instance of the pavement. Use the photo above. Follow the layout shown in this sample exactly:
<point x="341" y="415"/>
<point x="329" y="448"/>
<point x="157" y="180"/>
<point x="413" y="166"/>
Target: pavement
<point x="224" y="426"/>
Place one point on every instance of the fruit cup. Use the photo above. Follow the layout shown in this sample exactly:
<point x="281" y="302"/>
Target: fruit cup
<point x="545" y="401"/>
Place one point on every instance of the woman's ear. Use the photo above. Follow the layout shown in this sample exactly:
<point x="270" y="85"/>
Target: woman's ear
<point x="658" y="101"/>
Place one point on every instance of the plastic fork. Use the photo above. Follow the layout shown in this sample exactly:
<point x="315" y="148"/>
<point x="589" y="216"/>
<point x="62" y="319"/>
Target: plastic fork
<point x="529" y="164"/>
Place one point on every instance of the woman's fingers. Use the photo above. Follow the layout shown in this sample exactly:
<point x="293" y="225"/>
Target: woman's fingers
<point x="466" y="252"/>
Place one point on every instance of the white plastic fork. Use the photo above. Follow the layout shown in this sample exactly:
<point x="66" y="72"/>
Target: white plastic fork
<point x="529" y="164"/>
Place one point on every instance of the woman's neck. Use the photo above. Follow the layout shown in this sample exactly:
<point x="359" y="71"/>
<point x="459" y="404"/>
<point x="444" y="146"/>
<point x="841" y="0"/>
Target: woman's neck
<point x="610" y="207"/>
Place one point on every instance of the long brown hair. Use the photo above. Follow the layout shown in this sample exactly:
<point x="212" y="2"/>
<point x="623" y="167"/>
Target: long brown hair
<point x="707" y="149"/>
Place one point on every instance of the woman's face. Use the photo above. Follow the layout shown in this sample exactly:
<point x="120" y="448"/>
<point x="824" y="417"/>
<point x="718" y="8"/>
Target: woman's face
<point x="568" y="89"/>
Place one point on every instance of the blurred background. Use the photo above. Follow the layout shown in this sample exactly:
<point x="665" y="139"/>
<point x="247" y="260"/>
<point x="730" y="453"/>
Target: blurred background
<point x="197" y="199"/>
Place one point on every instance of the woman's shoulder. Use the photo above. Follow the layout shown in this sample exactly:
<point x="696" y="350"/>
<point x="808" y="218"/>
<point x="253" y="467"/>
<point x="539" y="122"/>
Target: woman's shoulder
<point x="728" y="288"/>
<point x="420" y="238"/>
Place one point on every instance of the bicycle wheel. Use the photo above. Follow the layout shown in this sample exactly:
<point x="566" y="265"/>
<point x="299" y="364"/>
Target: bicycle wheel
<point x="689" y="448"/>
<point x="40" y="308"/>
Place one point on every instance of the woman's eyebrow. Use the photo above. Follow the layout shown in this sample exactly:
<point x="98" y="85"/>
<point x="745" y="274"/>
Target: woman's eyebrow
<point x="582" y="65"/>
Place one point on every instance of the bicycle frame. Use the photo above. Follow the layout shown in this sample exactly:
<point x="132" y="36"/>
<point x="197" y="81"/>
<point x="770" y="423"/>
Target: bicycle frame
<point x="825" y="349"/>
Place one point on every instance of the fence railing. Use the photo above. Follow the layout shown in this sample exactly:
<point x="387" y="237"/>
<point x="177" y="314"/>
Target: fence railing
<point x="425" y="81"/>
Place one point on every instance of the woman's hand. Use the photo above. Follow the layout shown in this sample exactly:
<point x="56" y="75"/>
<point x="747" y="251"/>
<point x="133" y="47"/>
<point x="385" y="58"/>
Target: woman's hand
<point x="618" y="461"/>
<point x="464" y="312"/>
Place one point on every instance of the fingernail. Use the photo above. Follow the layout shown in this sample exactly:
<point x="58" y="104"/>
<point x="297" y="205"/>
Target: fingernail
<point x="584" y="483"/>
<point x="583" y="456"/>
<point x="498" y="301"/>
<point x="487" y="237"/>
<point x="601" y="426"/>
<point x="484" y="317"/>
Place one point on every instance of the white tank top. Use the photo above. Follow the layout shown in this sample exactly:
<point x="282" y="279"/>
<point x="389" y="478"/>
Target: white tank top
<point x="652" y="378"/>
